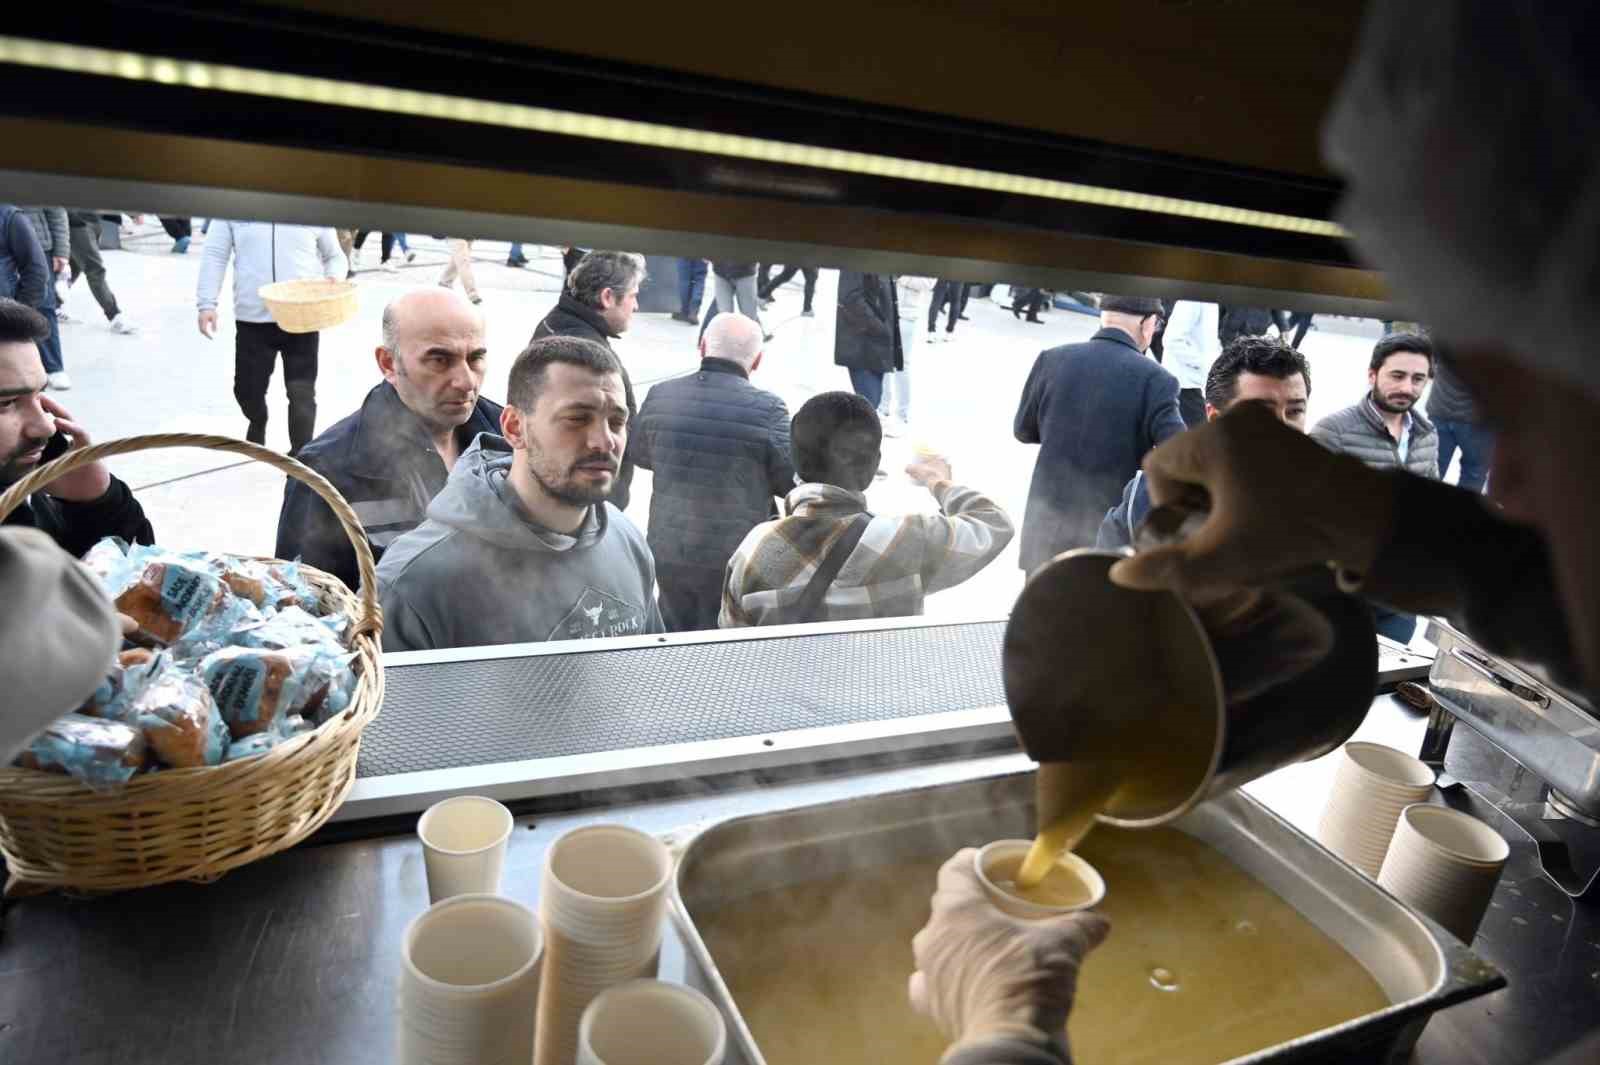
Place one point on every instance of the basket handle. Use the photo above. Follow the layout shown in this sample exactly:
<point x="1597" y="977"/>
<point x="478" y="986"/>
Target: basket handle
<point x="371" y="619"/>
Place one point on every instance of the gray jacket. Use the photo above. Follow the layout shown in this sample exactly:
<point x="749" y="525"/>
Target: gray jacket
<point x="1449" y="400"/>
<point x="1359" y="431"/>
<point x="477" y="571"/>
<point x="50" y="226"/>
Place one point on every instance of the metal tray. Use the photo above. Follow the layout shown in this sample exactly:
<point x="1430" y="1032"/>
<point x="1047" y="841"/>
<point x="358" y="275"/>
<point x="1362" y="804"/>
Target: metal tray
<point x="1418" y="965"/>
<point x="1548" y="731"/>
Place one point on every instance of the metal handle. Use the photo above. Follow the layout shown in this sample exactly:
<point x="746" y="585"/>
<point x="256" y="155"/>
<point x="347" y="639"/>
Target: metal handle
<point x="1483" y="668"/>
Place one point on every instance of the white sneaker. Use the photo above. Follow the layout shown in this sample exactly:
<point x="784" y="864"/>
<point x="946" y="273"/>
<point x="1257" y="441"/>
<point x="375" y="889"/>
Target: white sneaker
<point x="60" y="381"/>
<point x="390" y="268"/>
<point x="120" y="324"/>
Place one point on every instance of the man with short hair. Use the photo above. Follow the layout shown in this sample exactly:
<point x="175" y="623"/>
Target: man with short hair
<point x="597" y="303"/>
<point x="521" y="545"/>
<point x="719" y="449"/>
<point x="393" y="455"/>
<point x="1094" y="408"/>
<point x="264" y="252"/>
<point x="86" y="505"/>
<point x="831" y="560"/>
<point x="1252" y="370"/>
<point x="1383" y="430"/>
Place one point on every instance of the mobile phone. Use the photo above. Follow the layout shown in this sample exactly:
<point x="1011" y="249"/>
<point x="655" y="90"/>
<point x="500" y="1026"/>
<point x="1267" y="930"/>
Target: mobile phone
<point x="58" y="445"/>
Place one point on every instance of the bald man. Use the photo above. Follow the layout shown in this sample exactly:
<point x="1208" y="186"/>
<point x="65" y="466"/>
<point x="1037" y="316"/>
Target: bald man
<point x="719" y="449"/>
<point x="391" y="457"/>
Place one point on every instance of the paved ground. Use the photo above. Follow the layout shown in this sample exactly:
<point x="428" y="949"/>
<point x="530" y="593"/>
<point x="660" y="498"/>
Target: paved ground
<point x="170" y="378"/>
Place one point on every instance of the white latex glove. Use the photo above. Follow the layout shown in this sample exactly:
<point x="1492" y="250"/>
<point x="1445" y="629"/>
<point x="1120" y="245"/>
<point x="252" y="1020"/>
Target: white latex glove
<point x="983" y="974"/>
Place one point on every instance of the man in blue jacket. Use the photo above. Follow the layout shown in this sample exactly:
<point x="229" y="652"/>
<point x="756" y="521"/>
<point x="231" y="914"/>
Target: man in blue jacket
<point x="1094" y="409"/>
<point x="1257" y="369"/>
<point x="719" y="449"/>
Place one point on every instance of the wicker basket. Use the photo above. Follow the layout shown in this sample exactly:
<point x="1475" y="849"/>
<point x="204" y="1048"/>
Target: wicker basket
<point x="194" y="824"/>
<point x="309" y="305"/>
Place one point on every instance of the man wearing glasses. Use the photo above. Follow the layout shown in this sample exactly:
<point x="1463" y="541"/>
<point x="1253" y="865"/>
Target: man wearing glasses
<point x="1094" y="409"/>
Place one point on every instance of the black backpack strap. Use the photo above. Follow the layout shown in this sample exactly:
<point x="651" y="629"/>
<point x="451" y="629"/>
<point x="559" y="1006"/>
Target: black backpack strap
<point x="809" y="605"/>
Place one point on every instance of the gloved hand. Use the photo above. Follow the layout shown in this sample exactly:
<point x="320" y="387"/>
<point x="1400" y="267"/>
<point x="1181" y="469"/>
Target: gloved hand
<point x="1280" y="502"/>
<point x="983" y="974"/>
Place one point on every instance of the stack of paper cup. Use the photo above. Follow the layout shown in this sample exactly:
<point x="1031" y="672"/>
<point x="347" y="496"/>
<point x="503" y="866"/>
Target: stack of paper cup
<point x="648" y="1022"/>
<point x="464" y="845"/>
<point x="469" y="983"/>
<point x="603" y="898"/>
<point x="1446" y="864"/>
<point x="1372" y="785"/>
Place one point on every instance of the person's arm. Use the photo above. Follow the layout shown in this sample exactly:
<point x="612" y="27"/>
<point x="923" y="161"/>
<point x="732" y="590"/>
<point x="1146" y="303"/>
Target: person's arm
<point x="1164" y="420"/>
<point x="82" y="524"/>
<point x="733" y="615"/>
<point x="403" y="627"/>
<point x="780" y="453"/>
<point x="308" y="530"/>
<point x="60" y="247"/>
<point x="33" y="268"/>
<point x="1025" y="425"/>
<point x="214" y="265"/>
<point x="967" y="536"/>
<point x="334" y="264"/>
<point x="1116" y="529"/>
<point x="639" y="449"/>
<point x="1182" y="344"/>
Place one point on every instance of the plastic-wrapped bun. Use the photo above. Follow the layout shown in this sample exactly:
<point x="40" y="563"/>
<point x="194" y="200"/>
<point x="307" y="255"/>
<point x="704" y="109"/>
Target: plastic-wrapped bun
<point x="179" y="719"/>
<point x="250" y="746"/>
<point x="125" y="680"/>
<point x="102" y="754"/>
<point x="106" y="557"/>
<point x="177" y="601"/>
<point x="291" y="627"/>
<point x="1469" y="134"/>
<point x="255" y="688"/>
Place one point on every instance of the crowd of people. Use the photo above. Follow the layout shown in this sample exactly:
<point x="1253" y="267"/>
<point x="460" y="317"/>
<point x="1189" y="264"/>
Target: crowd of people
<point x="755" y="517"/>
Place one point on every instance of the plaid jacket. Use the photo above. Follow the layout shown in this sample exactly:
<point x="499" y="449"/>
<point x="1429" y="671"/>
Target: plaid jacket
<point x="899" y="561"/>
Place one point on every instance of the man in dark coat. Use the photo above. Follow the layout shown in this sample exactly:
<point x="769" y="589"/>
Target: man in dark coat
<point x="601" y="294"/>
<point x="77" y="510"/>
<point x="866" y="338"/>
<point x="394" y="454"/>
<point x="719" y="448"/>
<point x="1094" y="408"/>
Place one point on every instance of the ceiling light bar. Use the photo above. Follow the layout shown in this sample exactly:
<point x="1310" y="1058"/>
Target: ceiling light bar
<point x="133" y="66"/>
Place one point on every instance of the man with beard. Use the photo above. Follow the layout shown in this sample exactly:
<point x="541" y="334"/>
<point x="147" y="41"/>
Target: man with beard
<point x="392" y="456"/>
<point x="522" y="545"/>
<point x="1383" y="430"/>
<point x="77" y="510"/>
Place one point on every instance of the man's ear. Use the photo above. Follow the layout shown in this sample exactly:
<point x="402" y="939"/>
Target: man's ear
<point x="756" y="365"/>
<point x="386" y="363"/>
<point x="511" y="425"/>
<point x="608" y="299"/>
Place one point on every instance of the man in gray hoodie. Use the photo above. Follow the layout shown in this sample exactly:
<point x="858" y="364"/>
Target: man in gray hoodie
<point x="521" y="546"/>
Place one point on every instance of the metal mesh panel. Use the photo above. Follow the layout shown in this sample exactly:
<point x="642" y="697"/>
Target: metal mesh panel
<point x="446" y="715"/>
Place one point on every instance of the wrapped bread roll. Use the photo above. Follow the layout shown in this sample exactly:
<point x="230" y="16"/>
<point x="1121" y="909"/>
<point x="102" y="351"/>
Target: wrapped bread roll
<point x="255" y="688"/>
<point x="169" y="600"/>
<point x="102" y="754"/>
<point x="179" y="720"/>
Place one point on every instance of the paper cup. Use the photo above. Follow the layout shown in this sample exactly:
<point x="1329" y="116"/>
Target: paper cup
<point x="464" y="846"/>
<point x="469" y="982"/>
<point x="1372" y="785"/>
<point x="1446" y="864"/>
<point x="648" y="1022"/>
<point x="603" y="899"/>
<point x="1009" y="850"/>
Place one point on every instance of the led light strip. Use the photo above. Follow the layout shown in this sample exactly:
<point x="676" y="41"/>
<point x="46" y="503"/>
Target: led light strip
<point x="198" y="75"/>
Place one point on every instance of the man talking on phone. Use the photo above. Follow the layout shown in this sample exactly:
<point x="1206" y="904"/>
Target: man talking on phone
<point x="83" y="507"/>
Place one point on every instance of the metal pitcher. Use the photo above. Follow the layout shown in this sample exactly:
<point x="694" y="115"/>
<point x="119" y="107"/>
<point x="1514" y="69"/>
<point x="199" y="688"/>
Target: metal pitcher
<point x="1098" y="672"/>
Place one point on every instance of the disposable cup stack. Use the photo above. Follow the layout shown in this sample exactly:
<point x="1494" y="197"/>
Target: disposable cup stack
<point x="1446" y="864"/>
<point x="469" y="983"/>
<point x="1372" y="785"/>
<point x="603" y="898"/>
<point x="648" y="1022"/>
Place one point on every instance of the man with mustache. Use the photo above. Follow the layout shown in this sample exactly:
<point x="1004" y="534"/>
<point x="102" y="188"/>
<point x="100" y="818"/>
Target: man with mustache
<point x="522" y="544"/>
<point x="1386" y="433"/>
<point x="77" y="510"/>
<point x="393" y="455"/>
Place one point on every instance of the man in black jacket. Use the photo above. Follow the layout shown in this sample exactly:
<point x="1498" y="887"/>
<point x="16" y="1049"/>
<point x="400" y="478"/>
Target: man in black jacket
<point x="392" y="456"/>
<point x="719" y="448"/>
<point x="866" y="338"/>
<point x="83" y="507"/>
<point x="601" y="294"/>
<point x="1094" y="408"/>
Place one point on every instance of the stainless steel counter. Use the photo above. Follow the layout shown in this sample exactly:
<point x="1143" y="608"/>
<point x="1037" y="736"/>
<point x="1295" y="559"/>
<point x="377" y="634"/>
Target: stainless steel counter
<point x="293" y="959"/>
